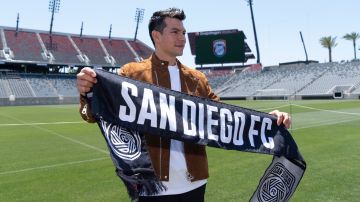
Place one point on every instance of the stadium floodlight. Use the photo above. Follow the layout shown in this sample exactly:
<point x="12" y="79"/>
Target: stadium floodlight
<point x="110" y="32"/>
<point x="306" y="55"/>
<point x="54" y="7"/>
<point x="81" y="29"/>
<point x="139" y="16"/>
<point x="250" y="2"/>
<point x="17" y="25"/>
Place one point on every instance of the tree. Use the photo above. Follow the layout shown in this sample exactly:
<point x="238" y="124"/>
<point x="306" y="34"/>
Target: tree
<point x="329" y="43"/>
<point x="352" y="37"/>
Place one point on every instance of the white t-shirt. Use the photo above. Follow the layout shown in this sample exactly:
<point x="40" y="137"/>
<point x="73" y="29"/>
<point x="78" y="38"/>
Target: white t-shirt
<point x="178" y="182"/>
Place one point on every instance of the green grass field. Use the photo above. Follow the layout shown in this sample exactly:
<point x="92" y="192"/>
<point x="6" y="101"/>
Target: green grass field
<point x="47" y="153"/>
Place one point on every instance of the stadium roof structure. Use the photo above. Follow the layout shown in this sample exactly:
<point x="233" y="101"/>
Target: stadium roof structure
<point x="38" y="47"/>
<point x="192" y="40"/>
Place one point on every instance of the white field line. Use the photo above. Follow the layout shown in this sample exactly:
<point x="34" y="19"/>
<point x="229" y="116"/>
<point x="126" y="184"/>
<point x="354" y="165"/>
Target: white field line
<point x="325" y="110"/>
<point x="322" y="123"/>
<point x="272" y="108"/>
<point x="72" y="140"/>
<point x="325" y="123"/>
<point x="33" y="124"/>
<point x="52" y="166"/>
<point x="62" y="136"/>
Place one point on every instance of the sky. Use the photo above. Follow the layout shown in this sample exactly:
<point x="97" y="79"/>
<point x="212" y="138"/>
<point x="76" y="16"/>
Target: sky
<point x="278" y="22"/>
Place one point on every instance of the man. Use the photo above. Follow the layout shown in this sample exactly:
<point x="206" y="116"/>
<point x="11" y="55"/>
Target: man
<point x="182" y="167"/>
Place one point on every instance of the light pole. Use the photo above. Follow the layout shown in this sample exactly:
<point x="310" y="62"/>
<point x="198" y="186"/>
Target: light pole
<point x="139" y="16"/>
<point x="17" y="25"/>
<point x="54" y="6"/>
<point x="253" y="23"/>
<point x="306" y="55"/>
<point x="110" y="32"/>
<point x="81" y="29"/>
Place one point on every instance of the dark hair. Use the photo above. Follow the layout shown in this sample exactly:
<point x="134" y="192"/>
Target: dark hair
<point x="157" y="20"/>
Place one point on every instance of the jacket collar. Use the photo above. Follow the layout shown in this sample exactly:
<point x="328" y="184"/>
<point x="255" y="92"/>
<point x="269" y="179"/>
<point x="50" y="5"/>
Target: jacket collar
<point x="161" y="65"/>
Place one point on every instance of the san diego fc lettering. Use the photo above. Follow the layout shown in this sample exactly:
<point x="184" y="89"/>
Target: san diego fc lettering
<point x="207" y="122"/>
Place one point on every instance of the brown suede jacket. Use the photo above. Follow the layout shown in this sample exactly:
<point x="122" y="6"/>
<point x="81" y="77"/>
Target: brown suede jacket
<point x="193" y="82"/>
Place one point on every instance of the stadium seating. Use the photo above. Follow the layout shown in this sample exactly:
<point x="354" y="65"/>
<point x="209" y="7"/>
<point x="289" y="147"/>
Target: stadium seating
<point x="61" y="48"/>
<point x="218" y="77"/>
<point x="297" y="79"/>
<point x="64" y="85"/>
<point x="356" y="91"/>
<point x="247" y="83"/>
<point x="119" y="50"/>
<point x="253" y="81"/>
<point x="24" y="45"/>
<point x="141" y="49"/>
<point x="38" y="85"/>
<point x="92" y="49"/>
<point x="19" y="86"/>
<point x="4" y="88"/>
<point x="347" y="74"/>
<point x="292" y="79"/>
<point x="41" y="85"/>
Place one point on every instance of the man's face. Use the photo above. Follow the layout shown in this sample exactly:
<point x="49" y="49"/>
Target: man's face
<point x="172" y="40"/>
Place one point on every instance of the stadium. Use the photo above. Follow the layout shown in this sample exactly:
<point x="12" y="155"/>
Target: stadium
<point x="31" y="59"/>
<point x="48" y="153"/>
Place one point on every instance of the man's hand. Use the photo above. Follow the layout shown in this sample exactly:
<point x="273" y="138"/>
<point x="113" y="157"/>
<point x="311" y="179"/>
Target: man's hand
<point x="282" y="117"/>
<point x="85" y="80"/>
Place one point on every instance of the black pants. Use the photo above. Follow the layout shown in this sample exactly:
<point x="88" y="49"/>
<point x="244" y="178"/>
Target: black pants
<point x="196" y="195"/>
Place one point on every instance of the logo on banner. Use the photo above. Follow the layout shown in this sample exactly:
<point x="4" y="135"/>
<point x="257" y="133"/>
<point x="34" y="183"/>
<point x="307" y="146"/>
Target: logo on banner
<point x="277" y="185"/>
<point x="126" y="144"/>
<point x="219" y="48"/>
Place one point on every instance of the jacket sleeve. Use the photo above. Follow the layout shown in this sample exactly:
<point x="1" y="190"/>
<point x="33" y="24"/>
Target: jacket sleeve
<point x="85" y="111"/>
<point x="210" y="92"/>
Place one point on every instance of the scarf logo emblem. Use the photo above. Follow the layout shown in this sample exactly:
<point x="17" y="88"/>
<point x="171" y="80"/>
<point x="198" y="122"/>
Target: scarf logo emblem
<point x="277" y="185"/>
<point x="126" y="144"/>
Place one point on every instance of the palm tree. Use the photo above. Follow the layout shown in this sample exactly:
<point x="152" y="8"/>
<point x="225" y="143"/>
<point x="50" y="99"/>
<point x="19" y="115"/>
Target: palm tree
<point x="352" y="37"/>
<point x="329" y="43"/>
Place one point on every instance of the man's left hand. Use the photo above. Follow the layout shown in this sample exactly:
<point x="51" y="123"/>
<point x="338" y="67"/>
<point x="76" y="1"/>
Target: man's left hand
<point x="282" y="118"/>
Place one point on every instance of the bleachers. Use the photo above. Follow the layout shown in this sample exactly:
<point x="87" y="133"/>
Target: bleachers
<point x="218" y="77"/>
<point x="311" y="79"/>
<point x="38" y="85"/>
<point x="92" y="49"/>
<point x="356" y="91"/>
<point x="288" y="79"/>
<point x="141" y="49"/>
<point x="70" y="49"/>
<point x="19" y="87"/>
<point x="61" y="48"/>
<point x="247" y="83"/>
<point x="293" y="79"/>
<point x="119" y="50"/>
<point x="24" y="45"/>
<point x="338" y="75"/>
<point x="41" y="86"/>
<point x="64" y="85"/>
<point x="4" y="88"/>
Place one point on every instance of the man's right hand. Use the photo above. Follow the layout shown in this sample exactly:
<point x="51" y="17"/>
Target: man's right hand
<point x="85" y="80"/>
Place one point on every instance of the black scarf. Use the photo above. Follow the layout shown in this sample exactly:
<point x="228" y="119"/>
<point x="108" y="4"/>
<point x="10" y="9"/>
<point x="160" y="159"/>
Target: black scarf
<point x="125" y="109"/>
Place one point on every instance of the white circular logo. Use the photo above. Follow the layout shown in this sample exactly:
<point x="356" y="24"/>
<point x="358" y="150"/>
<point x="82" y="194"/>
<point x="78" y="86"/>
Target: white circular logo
<point x="273" y="190"/>
<point x="125" y="143"/>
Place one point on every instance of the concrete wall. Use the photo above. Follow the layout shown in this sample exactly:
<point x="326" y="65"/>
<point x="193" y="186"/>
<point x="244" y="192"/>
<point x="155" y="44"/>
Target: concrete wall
<point x="38" y="101"/>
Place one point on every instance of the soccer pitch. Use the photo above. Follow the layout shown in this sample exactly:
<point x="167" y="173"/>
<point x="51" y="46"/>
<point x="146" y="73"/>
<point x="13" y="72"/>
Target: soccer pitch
<point x="47" y="153"/>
